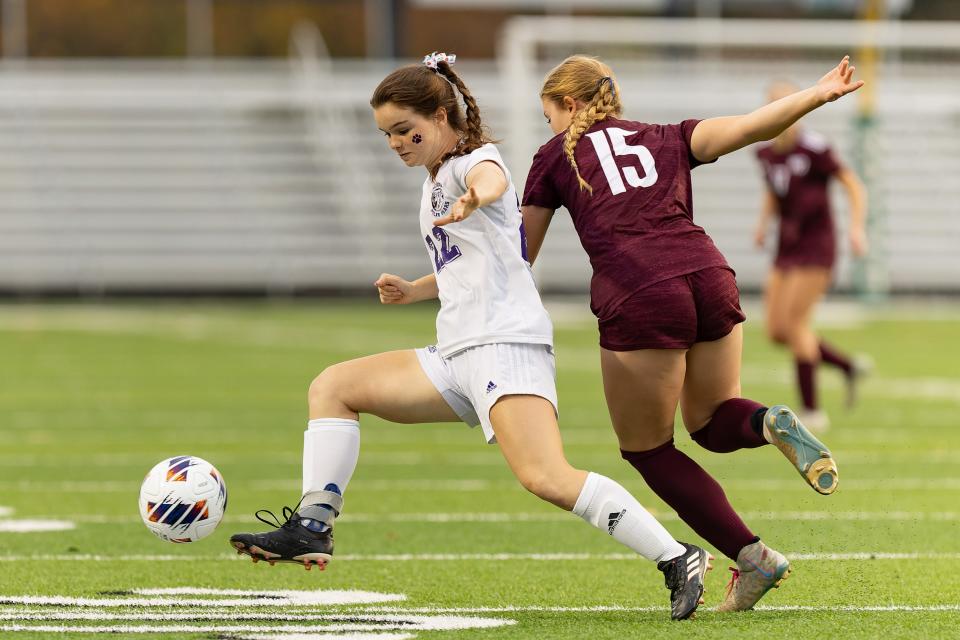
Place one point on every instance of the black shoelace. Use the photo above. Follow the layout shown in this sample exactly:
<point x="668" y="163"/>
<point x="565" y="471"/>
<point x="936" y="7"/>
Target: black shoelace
<point x="287" y="512"/>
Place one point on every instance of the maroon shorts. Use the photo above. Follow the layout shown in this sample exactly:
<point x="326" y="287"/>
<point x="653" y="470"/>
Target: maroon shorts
<point x="813" y="247"/>
<point x="786" y="261"/>
<point x="676" y="313"/>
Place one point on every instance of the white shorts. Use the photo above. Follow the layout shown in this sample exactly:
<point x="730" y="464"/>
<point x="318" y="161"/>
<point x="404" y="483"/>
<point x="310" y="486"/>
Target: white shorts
<point x="472" y="380"/>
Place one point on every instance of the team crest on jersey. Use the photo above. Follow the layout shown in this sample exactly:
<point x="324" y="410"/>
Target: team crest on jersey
<point x="438" y="201"/>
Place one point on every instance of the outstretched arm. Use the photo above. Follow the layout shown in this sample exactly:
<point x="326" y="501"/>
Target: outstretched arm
<point x="486" y="183"/>
<point x="767" y="211"/>
<point x="857" y="196"/>
<point x="715" y="137"/>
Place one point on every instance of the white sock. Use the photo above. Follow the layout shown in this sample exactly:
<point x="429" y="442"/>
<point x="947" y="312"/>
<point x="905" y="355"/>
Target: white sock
<point x="331" y="447"/>
<point x="609" y="507"/>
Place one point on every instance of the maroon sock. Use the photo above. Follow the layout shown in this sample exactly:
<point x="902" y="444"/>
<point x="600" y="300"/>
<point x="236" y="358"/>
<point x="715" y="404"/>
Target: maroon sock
<point x="806" y="379"/>
<point x="736" y="424"/>
<point x="696" y="497"/>
<point x="833" y="357"/>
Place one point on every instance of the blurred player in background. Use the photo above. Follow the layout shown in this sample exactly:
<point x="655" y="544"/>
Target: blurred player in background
<point x="493" y="363"/>
<point x="798" y="165"/>
<point x="666" y="300"/>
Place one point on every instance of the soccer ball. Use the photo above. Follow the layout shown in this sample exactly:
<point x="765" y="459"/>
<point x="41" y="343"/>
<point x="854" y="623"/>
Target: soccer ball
<point x="182" y="499"/>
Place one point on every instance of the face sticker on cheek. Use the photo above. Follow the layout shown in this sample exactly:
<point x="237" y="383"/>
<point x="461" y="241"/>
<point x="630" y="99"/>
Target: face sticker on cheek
<point x="417" y="138"/>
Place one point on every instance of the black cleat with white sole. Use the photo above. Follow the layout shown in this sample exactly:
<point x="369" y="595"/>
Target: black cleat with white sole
<point x="299" y="539"/>
<point x="684" y="576"/>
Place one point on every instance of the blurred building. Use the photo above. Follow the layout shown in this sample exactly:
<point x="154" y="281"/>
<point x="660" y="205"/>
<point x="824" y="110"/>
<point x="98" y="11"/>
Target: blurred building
<point x="354" y="28"/>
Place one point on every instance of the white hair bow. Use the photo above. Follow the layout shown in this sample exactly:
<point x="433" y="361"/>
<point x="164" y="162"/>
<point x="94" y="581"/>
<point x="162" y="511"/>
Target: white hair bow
<point x="433" y="59"/>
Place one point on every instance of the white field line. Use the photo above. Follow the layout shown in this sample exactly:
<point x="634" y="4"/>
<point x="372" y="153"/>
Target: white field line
<point x="395" y="618"/>
<point x="30" y="526"/>
<point x="847" y="457"/>
<point x="561" y="516"/>
<point x="168" y="597"/>
<point x="329" y="636"/>
<point x="608" y="608"/>
<point x="252" y="599"/>
<point x="875" y="385"/>
<point x="22" y="526"/>
<point x="462" y="623"/>
<point x="292" y="485"/>
<point x="188" y="326"/>
<point x="468" y="610"/>
<point x="932" y="388"/>
<point x="136" y="461"/>
<point x="223" y="330"/>
<point x="219" y="616"/>
<point x="472" y="485"/>
<point x="459" y="557"/>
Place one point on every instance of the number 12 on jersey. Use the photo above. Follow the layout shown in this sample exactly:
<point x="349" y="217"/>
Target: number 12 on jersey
<point x="446" y="252"/>
<point x="620" y="147"/>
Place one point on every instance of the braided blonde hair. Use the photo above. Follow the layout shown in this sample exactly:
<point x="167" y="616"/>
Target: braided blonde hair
<point x="588" y="80"/>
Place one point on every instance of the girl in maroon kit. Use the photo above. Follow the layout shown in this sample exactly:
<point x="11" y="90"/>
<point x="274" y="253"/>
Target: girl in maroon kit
<point x="798" y="166"/>
<point x="666" y="300"/>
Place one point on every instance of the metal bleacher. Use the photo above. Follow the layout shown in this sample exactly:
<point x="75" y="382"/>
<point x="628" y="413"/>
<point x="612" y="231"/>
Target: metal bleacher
<point x="132" y="176"/>
<point x="270" y="176"/>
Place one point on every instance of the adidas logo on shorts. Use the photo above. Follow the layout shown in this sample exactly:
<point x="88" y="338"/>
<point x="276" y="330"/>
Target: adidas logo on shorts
<point x="491" y="386"/>
<point x="613" y="520"/>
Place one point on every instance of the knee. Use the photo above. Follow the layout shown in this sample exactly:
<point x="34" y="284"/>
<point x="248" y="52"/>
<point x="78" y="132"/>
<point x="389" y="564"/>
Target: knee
<point x="649" y="462"/>
<point x="547" y="485"/>
<point x="646" y="441"/>
<point x="326" y="388"/>
<point x="778" y="333"/>
<point x="696" y="418"/>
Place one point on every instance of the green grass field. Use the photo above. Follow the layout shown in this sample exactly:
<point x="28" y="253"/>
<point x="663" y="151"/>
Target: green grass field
<point x="435" y="528"/>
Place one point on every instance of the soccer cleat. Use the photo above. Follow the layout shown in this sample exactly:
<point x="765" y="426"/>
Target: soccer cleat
<point x="296" y="540"/>
<point x="810" y="456"/>
<point x="759" y="569"/>
<point x="683" y="575"/>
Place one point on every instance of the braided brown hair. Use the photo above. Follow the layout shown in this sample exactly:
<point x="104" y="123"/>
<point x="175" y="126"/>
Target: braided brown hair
<point x="423" y="90"/>
<point x="588" y="80"/>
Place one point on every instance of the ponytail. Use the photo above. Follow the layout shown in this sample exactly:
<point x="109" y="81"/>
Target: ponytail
<point x="588" y="80"/>
<point x="474" y="134"/>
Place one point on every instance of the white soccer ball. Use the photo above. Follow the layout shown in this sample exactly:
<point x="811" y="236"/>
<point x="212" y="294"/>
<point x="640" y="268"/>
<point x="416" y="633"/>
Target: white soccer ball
<point x="183" y="499"/>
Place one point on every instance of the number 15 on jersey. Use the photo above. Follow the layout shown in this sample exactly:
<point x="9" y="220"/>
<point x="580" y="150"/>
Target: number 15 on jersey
<point x="620" y="147"/>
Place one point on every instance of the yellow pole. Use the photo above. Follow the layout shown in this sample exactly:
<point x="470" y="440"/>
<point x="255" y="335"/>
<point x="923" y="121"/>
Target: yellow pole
<point x="868" y="58"/>
<point x="870" y="277"/>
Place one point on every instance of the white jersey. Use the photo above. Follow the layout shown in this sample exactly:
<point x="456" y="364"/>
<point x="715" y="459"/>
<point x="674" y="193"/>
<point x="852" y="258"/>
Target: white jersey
<point x="487" y="290"/>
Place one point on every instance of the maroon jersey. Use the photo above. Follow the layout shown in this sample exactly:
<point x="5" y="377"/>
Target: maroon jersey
<point x="637" y="226"/>
<point x="798" y="179"/>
